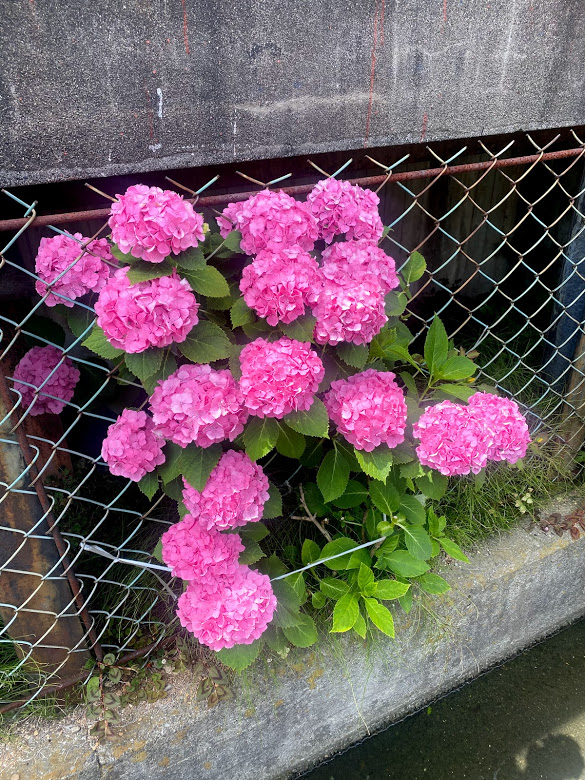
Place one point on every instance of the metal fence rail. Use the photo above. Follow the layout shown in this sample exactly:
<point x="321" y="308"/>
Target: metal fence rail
<point x="505" y="244"/>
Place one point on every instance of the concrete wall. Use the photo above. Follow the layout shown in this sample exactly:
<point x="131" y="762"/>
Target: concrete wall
<point x="286" y="717"/>
<point x="136" y="85"/>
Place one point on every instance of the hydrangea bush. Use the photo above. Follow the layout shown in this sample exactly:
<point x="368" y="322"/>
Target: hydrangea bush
<point x="279" y="346"/>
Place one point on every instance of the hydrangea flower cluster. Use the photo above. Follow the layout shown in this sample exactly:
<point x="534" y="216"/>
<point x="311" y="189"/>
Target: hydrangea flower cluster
<point x="452" y="440"/>
<point x="341" y="207"/>
<point x="349" y="310"/>
<point x="156" y="313"/>
<point x="509" y="429"/>
<point x="234" y="495"/>
<point x="131" y="447"/>
<point x="198" y="404"/>
<point x="33" y="369"/>
<point x="360" y="260"/>
<point x="235" y="610"/>
<point x="150" y="223"/>
<point x="279" y="284"/>
<point x="194" y="552"/>
<point x="368" y="409"/>
<point x="279" y="377"/>
<point x="271" y="220"/>
<point x="227" y="220"/>
<point x="225" y="602"/>
<point x="457" y="439"/>
<point x="88" y="274"/>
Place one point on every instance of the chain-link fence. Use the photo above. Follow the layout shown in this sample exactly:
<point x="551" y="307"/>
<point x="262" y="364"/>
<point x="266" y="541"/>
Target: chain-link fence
<point x="504" y="241"/>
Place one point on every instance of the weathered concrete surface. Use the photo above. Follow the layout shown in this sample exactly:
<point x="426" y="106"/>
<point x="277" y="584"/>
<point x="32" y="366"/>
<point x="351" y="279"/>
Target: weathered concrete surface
<point x="114" y="87"/>
<point x="517" y="589"/>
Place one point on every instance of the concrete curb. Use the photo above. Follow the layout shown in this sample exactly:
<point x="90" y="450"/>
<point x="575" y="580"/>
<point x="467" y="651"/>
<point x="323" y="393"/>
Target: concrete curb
<point x="518" y="588"/>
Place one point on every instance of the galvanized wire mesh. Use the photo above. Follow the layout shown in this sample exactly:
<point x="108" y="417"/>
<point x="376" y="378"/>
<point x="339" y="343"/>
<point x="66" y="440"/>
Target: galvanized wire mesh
<point x="504" y="240"/>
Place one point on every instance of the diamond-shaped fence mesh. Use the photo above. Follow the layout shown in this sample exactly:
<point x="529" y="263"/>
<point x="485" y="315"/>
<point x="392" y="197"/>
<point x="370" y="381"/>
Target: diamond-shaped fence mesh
<point x="504" y="242"/>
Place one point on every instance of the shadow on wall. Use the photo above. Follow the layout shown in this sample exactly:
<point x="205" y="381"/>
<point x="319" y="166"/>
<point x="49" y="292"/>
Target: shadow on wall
<point x="523" y="721"/>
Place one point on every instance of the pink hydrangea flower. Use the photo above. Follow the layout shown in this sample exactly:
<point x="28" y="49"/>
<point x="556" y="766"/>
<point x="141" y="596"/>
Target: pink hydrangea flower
<point x="88" y="274"/>
<point x="34" y="368"/>
<point x="452" y="439"/>
<point x="156" y="313"/>
<point x="197" y="553"/>
<point x="198" y="404"/>
<point x="360" y="260"/>
<point x="234" y="495"/>
<point x="131" y="447"/>
<point x="341" y="207"/>
<point x="230" y="611"/>
<point x="278" y="284"/>
<point x="272" y="220"/>
<point x="368" y="409"/>
<point x="151" y="223"/>
<point x="508" y="427"/>
<point x="349" y="310"/>
<point x="279" y="377"/>
<point x="228" y="219"/>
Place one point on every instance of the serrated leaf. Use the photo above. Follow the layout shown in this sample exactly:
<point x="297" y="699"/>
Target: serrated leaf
<point x="254" y="530"/>
<point x="205" y="343"/>
<point x="345" y="613"/>
<point x="300" y="329"/>
<point x="171" y="468"/>
<point x="401" y="562"/>
<point x="167" y="367"/>
<point x="288" y="604"/>
<point x="273" y="507"/>
<point x="462" y="392"/>
<point x="143" y="271"/>
<point x="355" y="355"/>
<point x="314" y="422"/>
<point x="385" y="496"/>
<point x="413" y="510"/>
<point x="435" y="488"/>
<point x="276" y="640"/>
<point x="390" y="589"/>
<point x="365" y="580"/>
<point x="456" y="368"/>
<point x="433" y="584"/>
<point x="272" y="566"/>
<point x="337" y="546"/>
<point x="314" y="500"/>
<point x="453" y="550"/>
<point x="190" y="259"/>
<point x="290" y="443"/>
<point x="298" y="582"/>
<point x="318" y="600"/>
<point x="303" y="634"/>
<point x="251" y="553"/>
<point x="355" y="494"/>
<point x="239" y="657"/>
<point x="157" y="552"/>
<point x="376" y="464"/>
<point x="418" y="542"/>
<point x="80" y="320"/>
<point x="260" y="435"/>
<point x="240" y="313"/>
<point x="333" y="475"/>
<point x="310" y="552"/>
<point x="406" y="601"/>
<point x="360" y="626"/>
<point x="208" y="281"/>
<point x="98" y="343"/>
<point x="144" y="364"/>
<point x="380" y="616"/>
<point x="149" y="484"/>
<point x="358" y="557"/>
<point x="232" y="241"/>
<point x="414" y="268"/>
<point x="436" y="346"/>
<point x="395" y="303"/>
<point x="197" y="463"/>
<point x="125" y="258"/>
